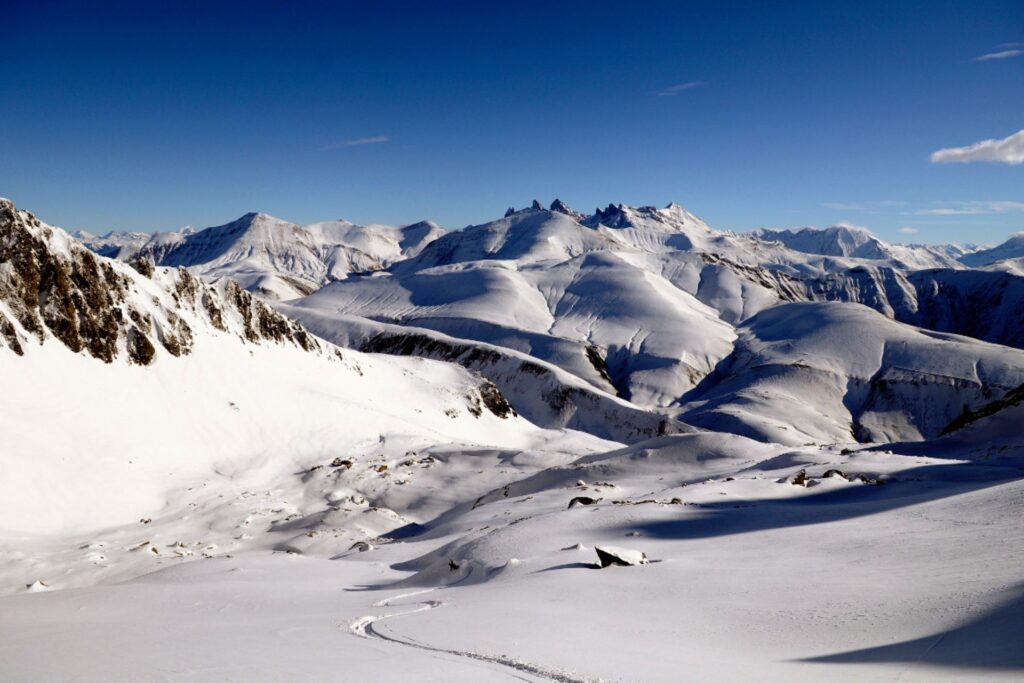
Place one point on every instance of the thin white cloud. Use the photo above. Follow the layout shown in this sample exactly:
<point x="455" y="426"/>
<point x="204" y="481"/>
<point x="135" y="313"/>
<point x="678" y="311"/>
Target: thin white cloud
<point x="373" y="140"/>
<point x="680" y="87"/>
<point x="907" y="230"/>
<point x="974" y="208"/>
<point x="356" y="142"/>
<point x="1009" y="150"/>
<point x="869" y="206"/>
<point x="1008" y="46"/>
<point x="1002" y="54"/>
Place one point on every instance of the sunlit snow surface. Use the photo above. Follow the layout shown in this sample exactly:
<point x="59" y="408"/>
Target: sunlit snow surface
<point x="257" y="512"/>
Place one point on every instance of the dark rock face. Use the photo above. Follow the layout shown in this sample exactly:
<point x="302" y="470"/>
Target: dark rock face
<point x="1012" y="398"/>
<point x="558" y="206"/>
<point x="62" y="289"/>
<point x="495" y="402"/>
<point x="77" y="299"/>
<point x="143" y="266"/>
<point x="260" y="322"/>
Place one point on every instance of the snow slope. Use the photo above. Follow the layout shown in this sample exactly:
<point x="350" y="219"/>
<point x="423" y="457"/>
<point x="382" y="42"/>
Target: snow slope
<point x="767" y="563"/>
<point x="151" y="417"/>
<point x="1013" y="248"/>
<point x="273" y="257"/>
<point x="653" y="291"/>
<point x="197" y="488"/>
<point x="538" y="282"/>
<point x="985" y="304"/>
<point x="832" y="372"/>
<point x="543" y="393"/>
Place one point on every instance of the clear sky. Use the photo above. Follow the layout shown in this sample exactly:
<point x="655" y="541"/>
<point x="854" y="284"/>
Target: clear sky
<point x="151" y="116"/>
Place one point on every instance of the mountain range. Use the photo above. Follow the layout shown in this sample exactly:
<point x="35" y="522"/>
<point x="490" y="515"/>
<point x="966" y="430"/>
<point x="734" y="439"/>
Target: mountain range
<point x="790" y="427"/>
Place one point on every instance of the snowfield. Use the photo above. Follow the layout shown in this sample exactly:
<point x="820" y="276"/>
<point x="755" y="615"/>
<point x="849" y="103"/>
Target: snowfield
<point x="795" y="464"/>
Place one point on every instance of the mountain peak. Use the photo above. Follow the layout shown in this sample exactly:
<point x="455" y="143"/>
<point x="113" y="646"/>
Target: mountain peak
<point x="558" y="206"/>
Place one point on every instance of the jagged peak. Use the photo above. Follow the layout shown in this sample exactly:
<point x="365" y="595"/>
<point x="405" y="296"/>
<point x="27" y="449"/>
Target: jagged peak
<point x="558" y="206"/>
<point x="537" y="206"/>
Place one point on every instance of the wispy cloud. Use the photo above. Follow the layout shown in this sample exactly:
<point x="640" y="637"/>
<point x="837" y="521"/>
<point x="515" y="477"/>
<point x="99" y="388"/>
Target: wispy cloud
<point x="973" y="208"/>
<point x="1001" y="54"/>
<point x="680" y="87"/>
<point x="907" y="230"/>
<point x="869" y="206"/>
<point x="1009" y="150"/>
<point x="356" y="142"/>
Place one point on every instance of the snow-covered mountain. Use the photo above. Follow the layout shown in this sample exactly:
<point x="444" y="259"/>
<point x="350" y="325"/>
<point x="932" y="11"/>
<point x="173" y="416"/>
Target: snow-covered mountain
<point x="827" y="372"/>
<point x="539" y="282"/>
<point x="420" y="466"/>
<point x="543" y="393"/>
<point x="117" y="245"/>
<point x="272" y="257"/>
<point x="652" y="293"/>
<point x="855" y="242"/>
<point x="1010" y="250"/>
<point x="985" y="304"/>
<point x="152" y="394"/>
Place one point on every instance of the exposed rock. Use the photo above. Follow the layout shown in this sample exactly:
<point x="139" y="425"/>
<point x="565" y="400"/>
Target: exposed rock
<point x="559" y="206"/>
<point x="53" y="286"/>
<point x="1012" y="398"/>
<point x="495" y="401"/>
<point x="143" y="266"/>
<point x="140" y="349"/>
<point x="608" y="555"/>
<point x="582" y="500"/>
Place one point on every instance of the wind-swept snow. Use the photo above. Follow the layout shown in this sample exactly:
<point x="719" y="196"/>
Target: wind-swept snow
<point x="415" y="473"/>
<point x="833" y="372"/>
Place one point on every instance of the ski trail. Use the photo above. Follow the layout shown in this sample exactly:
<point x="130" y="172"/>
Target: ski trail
<point x="364" y="627"/>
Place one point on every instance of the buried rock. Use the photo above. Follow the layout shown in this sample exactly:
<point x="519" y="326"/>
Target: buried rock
<point x="582" y="500"/>
<point x="608" y="555"/>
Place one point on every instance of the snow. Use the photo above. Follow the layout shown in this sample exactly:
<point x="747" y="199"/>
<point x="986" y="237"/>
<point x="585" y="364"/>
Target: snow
<point x="749" y="578"/>
<point x="827" y="372"/>
<point x="788" y="480"/>
<point x="276" y="258"/>
<point x="1013" y="248"/>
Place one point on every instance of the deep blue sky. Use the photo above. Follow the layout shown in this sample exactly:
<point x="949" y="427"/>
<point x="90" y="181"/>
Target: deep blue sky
<point x="151" y="116"/>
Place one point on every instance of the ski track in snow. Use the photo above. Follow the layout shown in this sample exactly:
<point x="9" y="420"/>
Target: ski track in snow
<point x="364" y="627"/>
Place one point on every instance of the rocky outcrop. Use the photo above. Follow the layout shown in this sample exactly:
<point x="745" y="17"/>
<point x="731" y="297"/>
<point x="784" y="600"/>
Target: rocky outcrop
<point x="53" y="287"/>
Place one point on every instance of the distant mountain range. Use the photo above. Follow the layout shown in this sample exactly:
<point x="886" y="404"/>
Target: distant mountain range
<point x="638" y="303"/>
<point x="340" y="416"/>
